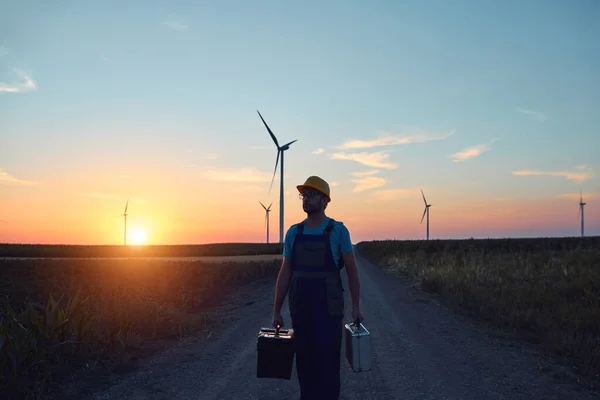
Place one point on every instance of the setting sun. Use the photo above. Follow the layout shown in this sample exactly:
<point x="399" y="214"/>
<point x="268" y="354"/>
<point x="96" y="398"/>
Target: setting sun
<point x="138" y="236"/>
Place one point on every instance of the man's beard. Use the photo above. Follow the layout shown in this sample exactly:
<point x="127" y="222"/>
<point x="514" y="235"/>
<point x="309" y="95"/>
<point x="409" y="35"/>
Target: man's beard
<point x="310" y="209"/>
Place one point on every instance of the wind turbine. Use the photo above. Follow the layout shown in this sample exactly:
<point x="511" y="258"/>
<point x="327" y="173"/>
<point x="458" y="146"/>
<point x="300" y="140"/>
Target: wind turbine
<point x="267" y="210"/>
<point x="125" y="227"/>
<point x="280" y="150"/>
<point x="581" y="204"/>
<point x="425" y="212"/>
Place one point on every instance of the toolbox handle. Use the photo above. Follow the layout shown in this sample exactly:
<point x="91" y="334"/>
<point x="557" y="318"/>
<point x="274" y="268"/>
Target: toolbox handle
<point x="277" y="330"/>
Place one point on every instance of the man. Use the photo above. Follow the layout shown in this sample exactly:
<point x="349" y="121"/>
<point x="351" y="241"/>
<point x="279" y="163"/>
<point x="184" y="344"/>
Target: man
<point x="315" y="251"/>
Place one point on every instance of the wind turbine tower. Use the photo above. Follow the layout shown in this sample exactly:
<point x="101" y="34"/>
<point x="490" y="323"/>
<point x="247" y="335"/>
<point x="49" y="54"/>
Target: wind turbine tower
<point x="280" y="151"/>
<point x="267" y="211"/>
<point x="426" y="212"/>
<point x="125" y="227"/>
<point x="581" y="204"/>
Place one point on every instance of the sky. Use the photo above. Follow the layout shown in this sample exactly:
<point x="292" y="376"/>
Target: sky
<point x="490" y="108"/>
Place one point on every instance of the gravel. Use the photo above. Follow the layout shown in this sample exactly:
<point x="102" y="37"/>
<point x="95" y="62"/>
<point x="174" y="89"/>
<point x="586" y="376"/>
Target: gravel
<point x="421" y="350"/>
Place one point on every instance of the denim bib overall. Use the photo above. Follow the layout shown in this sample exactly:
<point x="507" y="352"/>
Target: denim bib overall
<point x="316" y="304"/>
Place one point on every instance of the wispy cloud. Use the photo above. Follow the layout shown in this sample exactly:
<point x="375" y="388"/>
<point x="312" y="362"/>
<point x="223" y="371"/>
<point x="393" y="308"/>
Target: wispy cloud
<point x="575" y="196"/>
<point x="4" y="51"/>
<point x="176" y="25"/>
<point x="26" y="85"/>
<point x="367" y="183"/>
<point x="319" y="151"/>
<point x="395" y="194"/>
<point x="584" y="166"/>
<point x="210" y="156"/>
<point x="251" y="175"/>
<point x="262" y="147"/>
<point x="366" y="173"/>
<point x="536" y="114"/>
<point x="574" y="176"/>
<point x="388" y="139"/>
<point x="8" y="179"/>
<point x="334" y="184"/>
<point x="471" y="152"/>
<point x="375" y="160"/>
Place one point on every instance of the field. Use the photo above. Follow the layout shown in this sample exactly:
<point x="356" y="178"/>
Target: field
<point x="58" y="317"/>
<point x="90" y="251"/>
<point x="100" y="306"/>
<point x="546" y="290"/>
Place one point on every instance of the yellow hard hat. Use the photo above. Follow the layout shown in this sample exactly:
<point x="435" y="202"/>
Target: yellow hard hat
<point x="316" y="183"/>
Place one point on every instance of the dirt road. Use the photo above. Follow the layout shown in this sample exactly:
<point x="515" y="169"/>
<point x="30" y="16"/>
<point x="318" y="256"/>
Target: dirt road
<point x="420" y="351"/>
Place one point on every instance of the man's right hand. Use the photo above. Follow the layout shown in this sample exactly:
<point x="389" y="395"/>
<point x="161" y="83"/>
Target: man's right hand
<point x="277" y="320"/>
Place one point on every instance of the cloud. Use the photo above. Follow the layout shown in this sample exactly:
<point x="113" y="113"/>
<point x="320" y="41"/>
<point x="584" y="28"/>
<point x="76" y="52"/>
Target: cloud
<point x="536" y="114"/>
<point x="334" y="184"/>
<point x="374" y="160"/>
<point x="471" y="152"/>
<point x="584" y="166"/>
<point x="390" y="140"/>
<point x="368" y="182"/>
<point x="4" y="51"/>
<point x="210" y="156"/>
<point x="262" y="147"/>
<point x="395" y="194"/>
<point x="176" y="25"/>
<point x="26" y="85"/>
<point x="251" y="175"/>
<point x="319" y="151"/>
<point x="574" y="176"/>
<point x="8" y="179"/>
<point x="366" y="173"/>
<point x="575" y="196"/>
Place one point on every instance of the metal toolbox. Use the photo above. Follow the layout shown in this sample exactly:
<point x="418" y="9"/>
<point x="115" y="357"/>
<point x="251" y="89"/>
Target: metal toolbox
<point x="358" y="347"/>
<point x="276" y="349"/>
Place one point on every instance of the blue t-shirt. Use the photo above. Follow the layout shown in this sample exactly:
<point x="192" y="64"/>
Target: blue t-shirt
<point x="339" y="238"/>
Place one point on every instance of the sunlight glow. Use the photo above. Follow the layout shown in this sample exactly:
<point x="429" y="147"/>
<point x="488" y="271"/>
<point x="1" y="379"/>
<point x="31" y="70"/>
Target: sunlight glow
<point x="138" y="237"/>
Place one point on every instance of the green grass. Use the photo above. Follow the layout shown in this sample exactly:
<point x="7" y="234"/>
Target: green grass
<point x="63" y="316"/>
<point x="545" y="289"/>
<point x="200" y="250"/>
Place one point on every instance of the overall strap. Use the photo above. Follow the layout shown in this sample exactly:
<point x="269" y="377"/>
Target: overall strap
<point x="329" y="227"/>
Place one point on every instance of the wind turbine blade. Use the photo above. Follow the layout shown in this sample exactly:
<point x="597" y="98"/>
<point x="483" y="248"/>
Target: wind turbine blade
<point x="126" y="204"/>
<point x="270" y="206"/>
<point x="424" y="212"/>
<point x="424" y="201"/>
<point x="269" y="129"/>
<point x="287" y="144"/>
<point x="275" y="170"/>
<point x="262" y="205"/>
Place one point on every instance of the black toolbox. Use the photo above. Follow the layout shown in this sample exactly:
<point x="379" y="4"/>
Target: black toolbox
<point x="276" y="349"/>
